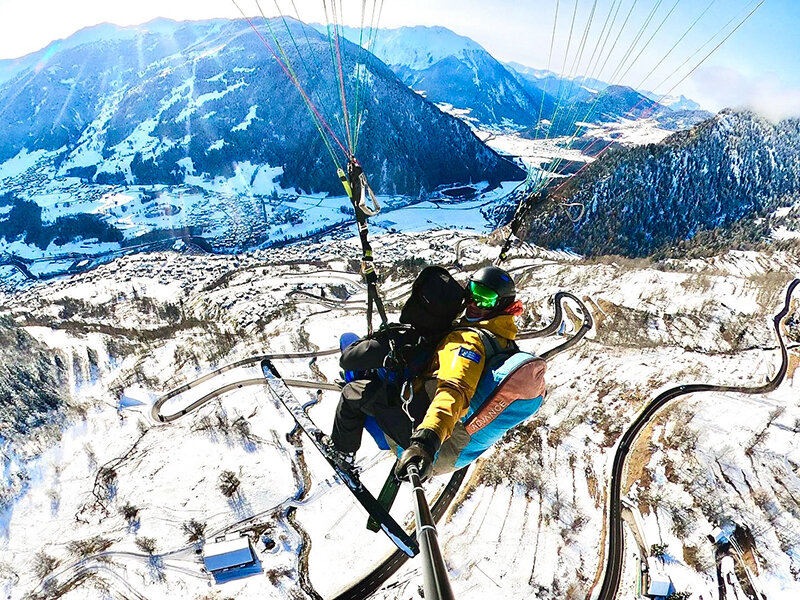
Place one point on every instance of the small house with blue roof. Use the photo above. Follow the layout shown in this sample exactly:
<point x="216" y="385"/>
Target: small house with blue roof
<point x="660" y="588"/>
<point x="230" y="559"/>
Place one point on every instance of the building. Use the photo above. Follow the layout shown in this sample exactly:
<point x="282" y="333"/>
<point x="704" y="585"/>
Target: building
<point x="720" y="536"/>
<point x="660" y="587"/>
<point x="228" y="559"/>
<point x="133" y="397"/>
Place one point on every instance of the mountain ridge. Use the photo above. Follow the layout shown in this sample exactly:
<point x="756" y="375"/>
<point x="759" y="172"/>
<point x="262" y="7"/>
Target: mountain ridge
<point x="649" y="199"/>
<point x="194" y="123"/>
<point x="462" y="77"/>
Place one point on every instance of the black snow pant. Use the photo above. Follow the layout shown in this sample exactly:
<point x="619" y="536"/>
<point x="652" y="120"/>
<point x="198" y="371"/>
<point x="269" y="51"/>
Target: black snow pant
<point x="375" y="398"/>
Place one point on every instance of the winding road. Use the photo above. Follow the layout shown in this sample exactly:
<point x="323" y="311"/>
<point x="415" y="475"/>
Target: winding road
<point x="615" y="555"/>
<point x="616" y="545"/>
<point x="373" y="580"/>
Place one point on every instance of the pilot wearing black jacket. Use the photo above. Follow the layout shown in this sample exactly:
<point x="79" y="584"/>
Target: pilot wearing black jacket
<point x="390" y="357"/>
<point x="377" y="390"/>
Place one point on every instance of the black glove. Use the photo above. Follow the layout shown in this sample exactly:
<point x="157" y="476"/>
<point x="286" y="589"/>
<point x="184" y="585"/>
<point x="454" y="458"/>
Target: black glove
<point x="421" y="452"/>
<point x="415" y="454"/>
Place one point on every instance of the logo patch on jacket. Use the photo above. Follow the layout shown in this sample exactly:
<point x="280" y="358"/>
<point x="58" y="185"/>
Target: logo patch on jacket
<point x="469" y="354"/>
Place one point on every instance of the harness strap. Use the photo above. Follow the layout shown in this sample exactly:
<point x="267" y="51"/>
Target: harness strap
<point x="525" y="206"/>
<point x="366" y="190"/>
<point x="357" y="188"/>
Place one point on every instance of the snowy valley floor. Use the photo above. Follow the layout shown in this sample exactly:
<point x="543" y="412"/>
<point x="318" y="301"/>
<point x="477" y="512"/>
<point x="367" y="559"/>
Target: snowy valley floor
<point x="100" y="501"/>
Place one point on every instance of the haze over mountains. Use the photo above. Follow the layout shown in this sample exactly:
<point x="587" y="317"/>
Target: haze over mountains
<point x="453" y="70"/>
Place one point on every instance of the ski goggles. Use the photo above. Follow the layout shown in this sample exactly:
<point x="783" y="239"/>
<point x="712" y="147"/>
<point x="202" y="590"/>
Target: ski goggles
<point x="482" y="296"/>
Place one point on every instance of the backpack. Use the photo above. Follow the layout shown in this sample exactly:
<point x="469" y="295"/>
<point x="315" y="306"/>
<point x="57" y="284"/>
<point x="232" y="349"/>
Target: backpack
<point x="366" y="357"/>
<point x="436" y="301"/>
<point x="510" y="390"/>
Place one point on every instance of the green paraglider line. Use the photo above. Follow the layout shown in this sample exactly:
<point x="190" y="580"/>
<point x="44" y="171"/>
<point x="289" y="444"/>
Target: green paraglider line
<point x="314" y="112"/>
<point x="296" y="46"/>
<point x="682" y="79"/>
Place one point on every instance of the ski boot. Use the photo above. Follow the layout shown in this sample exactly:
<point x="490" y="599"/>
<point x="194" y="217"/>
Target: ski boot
<point x="343" y="460"/>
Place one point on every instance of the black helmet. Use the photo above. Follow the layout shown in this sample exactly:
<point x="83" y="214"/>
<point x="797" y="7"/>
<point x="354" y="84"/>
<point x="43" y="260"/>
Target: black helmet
<point x="492" y="279"/>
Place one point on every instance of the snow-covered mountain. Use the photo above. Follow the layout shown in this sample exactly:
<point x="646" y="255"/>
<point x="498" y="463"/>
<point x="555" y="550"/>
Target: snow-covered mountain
<point x="676" y="103"/>
<point x="459" y="75"/>
<point x="177" y="125"/>
<point x="191" y="99"/>
<point x="582" y="88"/>
<point x="569" y="89"/>
<point x="588" y="100"/>
<point x="418" y="48"/>
<point x="707" y="189"/>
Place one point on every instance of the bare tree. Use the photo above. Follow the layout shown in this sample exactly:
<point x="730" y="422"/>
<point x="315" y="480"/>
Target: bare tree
<point x="89" y="546"/>
<point x="242" y="428"/>
<point x="129" y="512"/>
<point x="758" y="438"/>
<point x="195" y="530"/>
<point x="146" y="544"/>
<point x="775" y="414"/>
<point x="43" y="564"/>
<point x="106" y="482"/>
<point x="228" y="483"/>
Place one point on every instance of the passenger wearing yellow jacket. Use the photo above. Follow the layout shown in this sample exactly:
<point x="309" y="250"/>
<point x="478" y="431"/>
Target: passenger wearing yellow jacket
<point x="458" y="364"/>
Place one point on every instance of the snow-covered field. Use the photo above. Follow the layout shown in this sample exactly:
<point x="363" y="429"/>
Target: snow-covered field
<point x="547" y="153"/>
<point x="536" y="154"/>
<point x="245" y="210"/>
<point x="530" y="519"/>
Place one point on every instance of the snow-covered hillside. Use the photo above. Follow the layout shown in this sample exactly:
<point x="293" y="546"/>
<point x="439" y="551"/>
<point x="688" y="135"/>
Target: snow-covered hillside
<point x="105" y="499"/>
<point x="103" y="32"/>
<point x="420" y="47"/>
<point x="174" y="102"/>
<point x="191" y="129"/>
<point x="465" y="80"/>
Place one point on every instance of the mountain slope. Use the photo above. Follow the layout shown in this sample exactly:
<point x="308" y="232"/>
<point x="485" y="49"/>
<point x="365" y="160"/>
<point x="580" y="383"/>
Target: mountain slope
<point x="199" y="98"/>
<point x="593" y="101"/>
<point x="452" y="69"/>
<point x="462" y="77"/>
<point x="639" y="201"/>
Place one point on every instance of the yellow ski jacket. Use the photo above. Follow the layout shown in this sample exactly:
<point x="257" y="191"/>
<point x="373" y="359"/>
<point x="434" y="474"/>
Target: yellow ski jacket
<point x="457" y="368"/>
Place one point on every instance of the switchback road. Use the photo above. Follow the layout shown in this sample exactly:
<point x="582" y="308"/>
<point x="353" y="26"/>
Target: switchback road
<point x="616" y="545"/>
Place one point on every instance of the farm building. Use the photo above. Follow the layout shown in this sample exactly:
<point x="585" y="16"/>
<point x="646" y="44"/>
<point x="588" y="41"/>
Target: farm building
<point x="230" y="559"/>
<point x="660" y="588"/>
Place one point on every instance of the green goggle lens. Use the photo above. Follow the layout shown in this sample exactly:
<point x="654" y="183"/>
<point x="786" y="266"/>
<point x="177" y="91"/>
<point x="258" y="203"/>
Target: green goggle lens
<point x="482" y="295"/>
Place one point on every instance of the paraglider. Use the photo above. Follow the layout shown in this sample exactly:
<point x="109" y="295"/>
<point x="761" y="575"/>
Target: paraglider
<point x="439" y="396"/>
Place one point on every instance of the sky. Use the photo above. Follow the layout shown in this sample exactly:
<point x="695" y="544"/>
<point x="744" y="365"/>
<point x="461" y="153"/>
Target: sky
<point x="757" y="67"/>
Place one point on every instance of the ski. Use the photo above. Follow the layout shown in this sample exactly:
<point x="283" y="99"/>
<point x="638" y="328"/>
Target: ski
<point x="386" y="497"/>
<point x="278" y="388"/>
